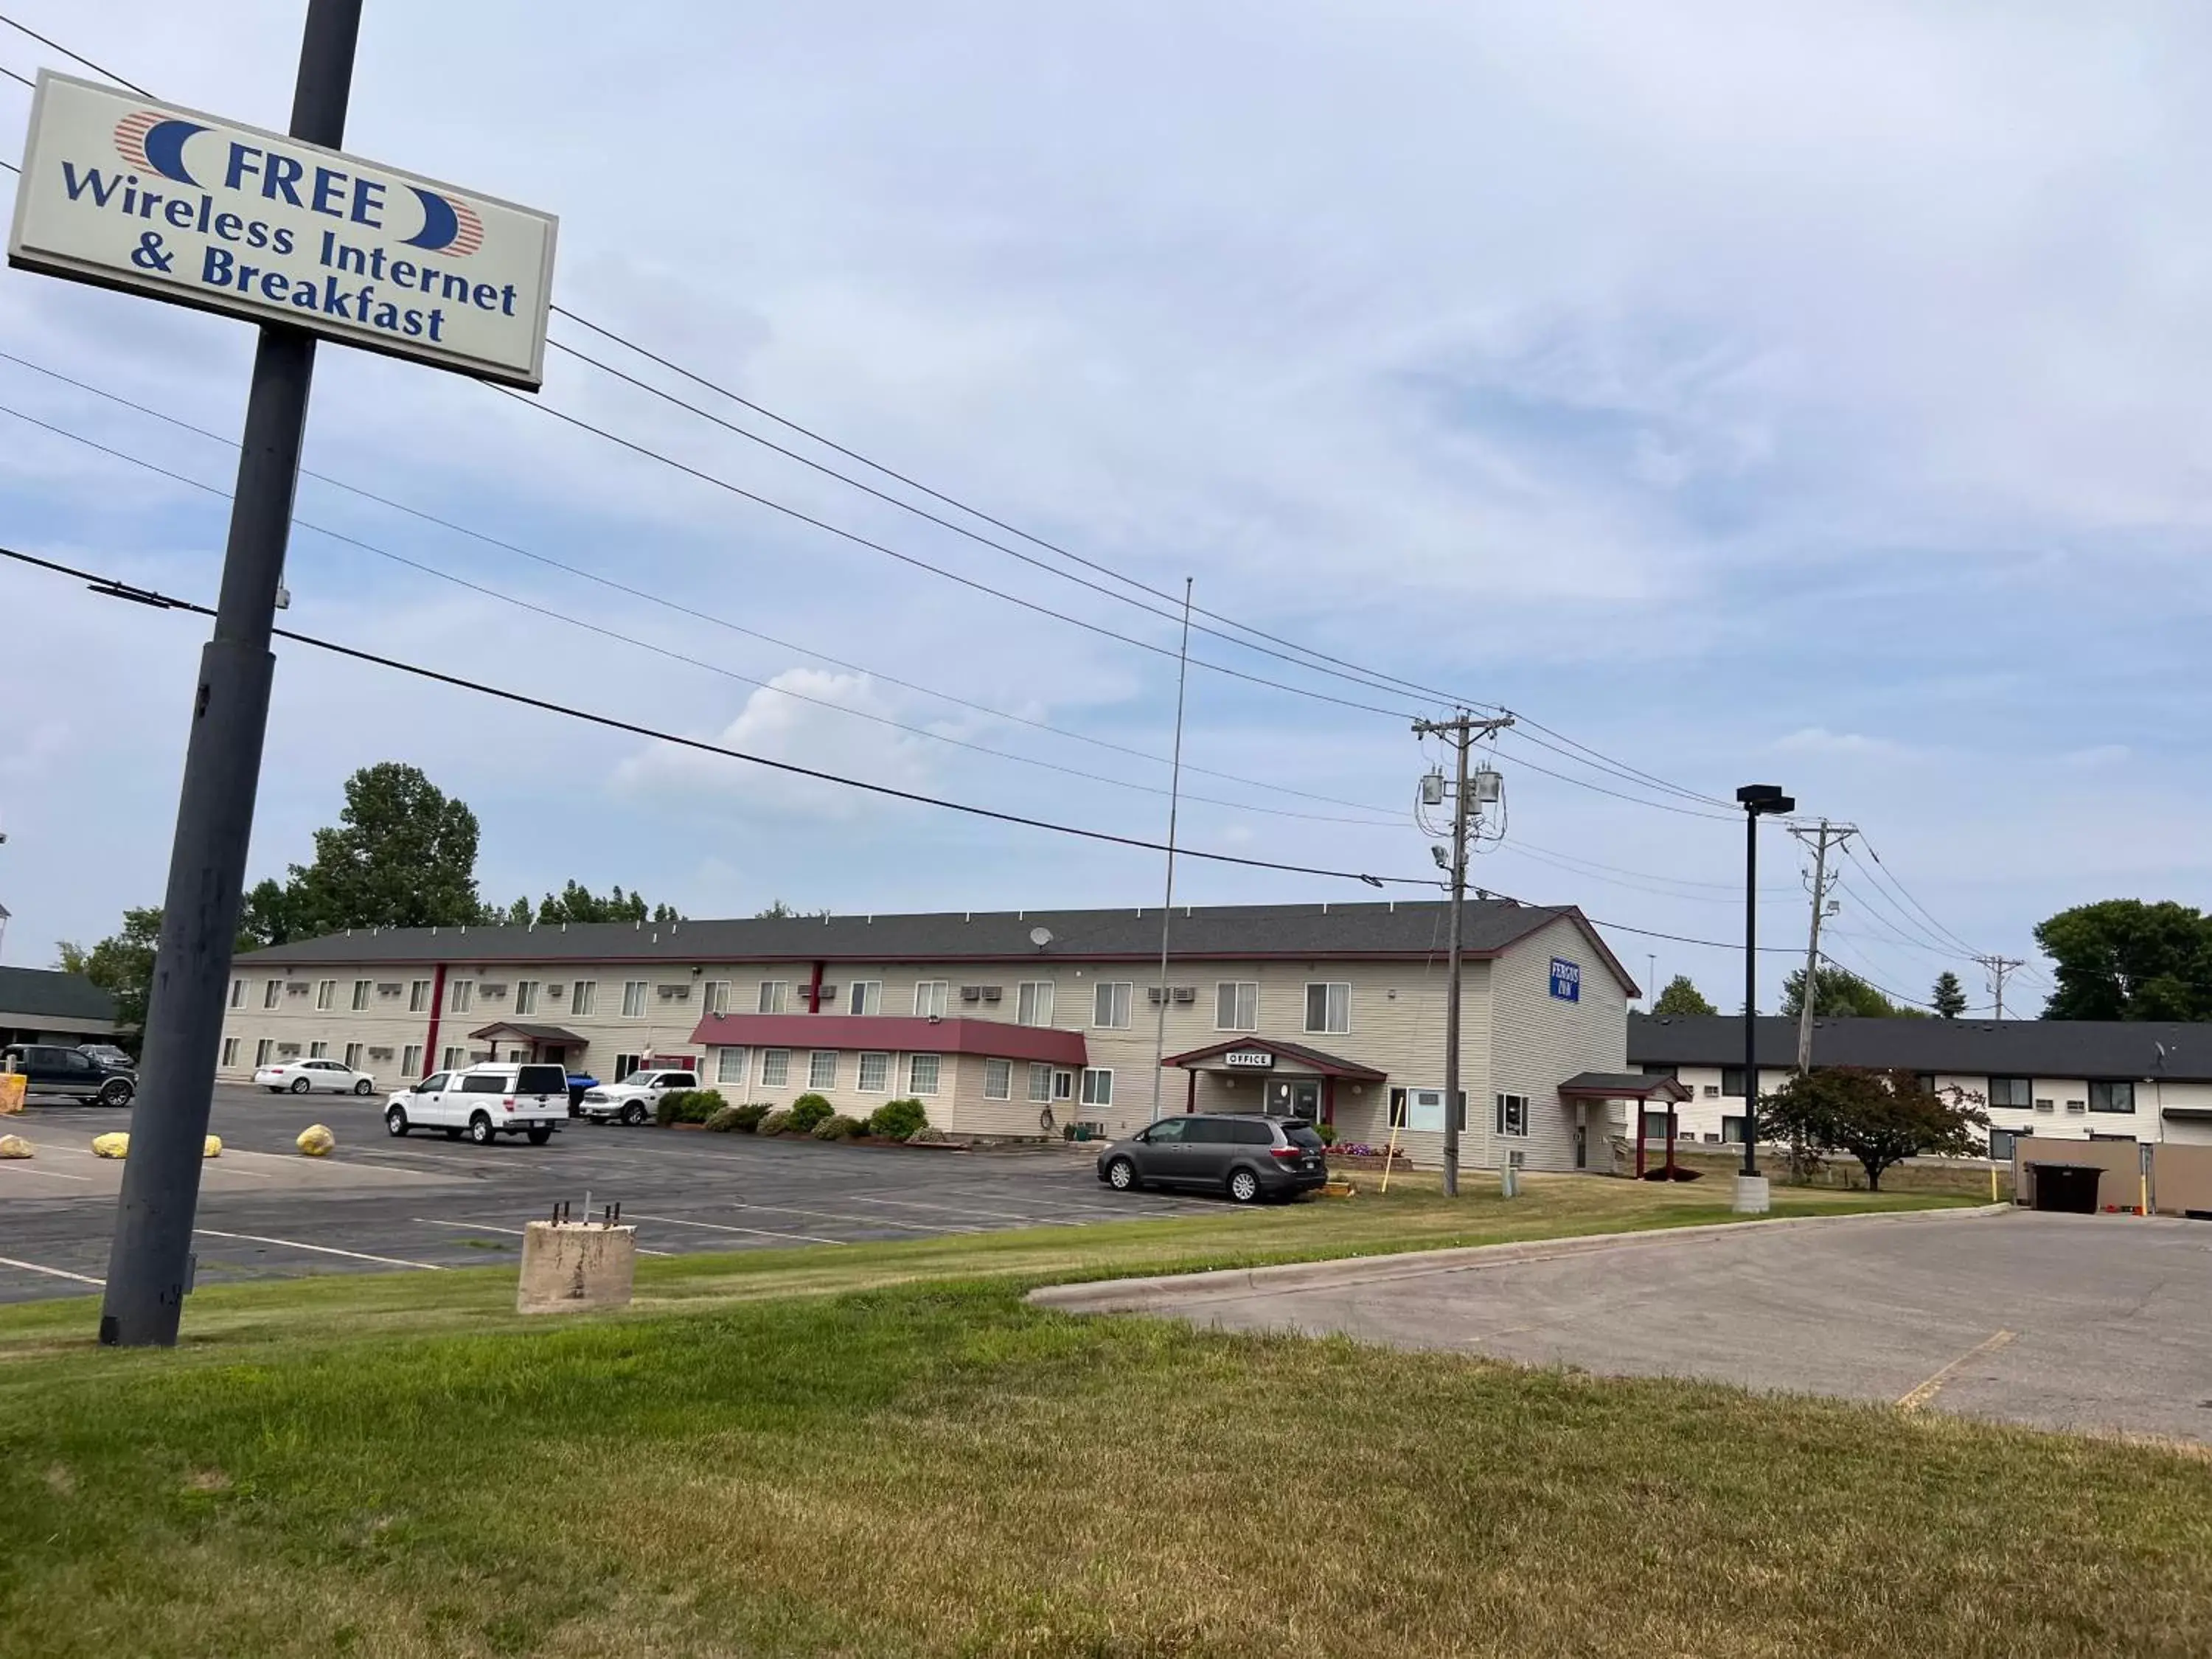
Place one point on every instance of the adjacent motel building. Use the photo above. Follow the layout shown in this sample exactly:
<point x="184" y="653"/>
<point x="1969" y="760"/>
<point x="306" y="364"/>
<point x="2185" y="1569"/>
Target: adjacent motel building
<point x="1009" y="1023"/>
<point x="2081" y="1080"/>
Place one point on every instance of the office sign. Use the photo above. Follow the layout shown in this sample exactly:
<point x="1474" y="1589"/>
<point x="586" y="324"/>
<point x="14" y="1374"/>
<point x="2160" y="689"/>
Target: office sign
<point x="1252" y="1060"/>
<point x="123" y="192"/>
<point x="1566" y="980"/>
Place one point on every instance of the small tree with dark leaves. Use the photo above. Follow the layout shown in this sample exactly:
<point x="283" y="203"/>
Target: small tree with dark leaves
<point x="1949" y="998"/>
<point x="1878" y="1117"/>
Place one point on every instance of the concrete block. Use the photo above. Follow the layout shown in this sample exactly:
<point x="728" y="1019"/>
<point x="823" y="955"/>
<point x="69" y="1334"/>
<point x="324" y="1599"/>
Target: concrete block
<point x="1751" y="1197"/>
<point x="569" y="1265"/>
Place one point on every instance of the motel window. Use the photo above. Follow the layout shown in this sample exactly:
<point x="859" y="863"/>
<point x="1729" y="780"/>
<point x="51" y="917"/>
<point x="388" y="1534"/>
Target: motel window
<point x="774" y="996"/>
<point x="717" y="997"/>
<point x="997" y="1079"/>
<point x="921" y="1073"/>
<point x="272" y="992"/>
<point x="2016" y="1092"/>
<point x="1329" y="1007"/>
<point x="1732" y="1129"/>
<point x="261" y="1052"/>
<point x="633" y="999"/>
<point x="230" y="1049"/>
<point x="410" y="1062"/>
<point x="875" y="1073"/>
<point x="1110" y="1005"/>
<point x="730" y="1064"/>
<point x="1040" y="1082"/>
<point x="353" y="1056"/>
<point x="461" y="993"/>
<point x="583" y="997"/>
<point x="1236" y="1004"/>
<point x="1656" y="1121"/>
<point x="2106" y="1096"/>
<point x="2000" y="1142"/>
<point x="238" y="994"/>
<point x="318" y="1050"/>
<point x="360" y="989"/>
<point x="418" y="997"/>
<point x="1513" y="1115"/>
<point x="327" y="995"/>
<point x="526" y="996"/>
<point x="866" y="997"/>
<point x="1926" y="1081"/>
<point x="1097" y="1087"/>
<point x="1732" y="1081"/>
<point x="929" y="999"/>
<point x="1033" y="1002"/>
<point x="822" y="1069"/>
<point x="625" y="1065"/>
<point x="1063" y="1085"/>
<point x="451" y="1061"/>
<point x="775" y="1067"/>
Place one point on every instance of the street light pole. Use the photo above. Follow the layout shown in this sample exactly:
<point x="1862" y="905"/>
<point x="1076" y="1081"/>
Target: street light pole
<point x="1758" y="800"/>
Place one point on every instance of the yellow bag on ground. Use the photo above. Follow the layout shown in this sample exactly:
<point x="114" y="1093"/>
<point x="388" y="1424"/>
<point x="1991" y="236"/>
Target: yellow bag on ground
<point x="13" y="1146"/>
<point x="116" y="1143"/>
<point x="212" y="1147"/>
<point x="12" y="1086"/>
<point x="315" y="1140"/>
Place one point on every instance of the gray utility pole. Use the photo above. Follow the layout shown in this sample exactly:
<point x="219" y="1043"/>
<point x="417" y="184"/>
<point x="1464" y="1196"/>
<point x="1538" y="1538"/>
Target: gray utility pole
<point x="1820" y="840"/>
<point x="1461" y="732"/>
<point x="150" y="1265"/>
<point x="1999" y="969"/>
<point x="1167" y="910"/>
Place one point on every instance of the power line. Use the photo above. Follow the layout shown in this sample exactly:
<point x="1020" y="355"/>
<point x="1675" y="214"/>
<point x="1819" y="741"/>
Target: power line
<point x="25" y="79"/>
<point x="74" y="58"/>
<point x="676" y="656"/>
<point x="1940" y="928"/>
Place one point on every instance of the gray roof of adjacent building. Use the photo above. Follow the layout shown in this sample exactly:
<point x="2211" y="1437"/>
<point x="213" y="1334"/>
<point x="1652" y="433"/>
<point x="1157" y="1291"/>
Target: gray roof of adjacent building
<point x="48" y="995"/>
<point x="1195" y="932"/>
<point x="2179" y="1051"/>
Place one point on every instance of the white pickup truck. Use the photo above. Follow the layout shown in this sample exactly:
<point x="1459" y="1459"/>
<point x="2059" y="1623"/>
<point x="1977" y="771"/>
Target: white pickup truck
<point x="632" y="1100"/>
<point x="484" y="1102"/>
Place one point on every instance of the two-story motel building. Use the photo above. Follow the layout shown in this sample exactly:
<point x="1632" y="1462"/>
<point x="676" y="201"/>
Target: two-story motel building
<point x="1008" y="1023"/>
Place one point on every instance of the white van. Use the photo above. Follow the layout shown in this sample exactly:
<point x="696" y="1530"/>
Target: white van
<point x="485" y="1101"/>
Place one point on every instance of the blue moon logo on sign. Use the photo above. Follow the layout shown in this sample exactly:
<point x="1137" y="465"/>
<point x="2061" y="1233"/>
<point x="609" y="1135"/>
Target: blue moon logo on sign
<point x="441" y="224"/>
<point x="165" y="150"/>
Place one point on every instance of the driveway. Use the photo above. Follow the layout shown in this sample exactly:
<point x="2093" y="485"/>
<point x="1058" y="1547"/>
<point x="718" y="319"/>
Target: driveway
<point x="2078" y="1322"/>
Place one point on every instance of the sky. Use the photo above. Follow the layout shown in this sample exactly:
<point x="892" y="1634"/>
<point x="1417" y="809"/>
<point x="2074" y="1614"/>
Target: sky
<point x="1813" y="396"/>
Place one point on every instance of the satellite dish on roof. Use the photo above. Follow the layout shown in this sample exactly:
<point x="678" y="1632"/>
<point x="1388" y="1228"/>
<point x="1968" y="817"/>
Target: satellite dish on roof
<point x="1040" y="937"/>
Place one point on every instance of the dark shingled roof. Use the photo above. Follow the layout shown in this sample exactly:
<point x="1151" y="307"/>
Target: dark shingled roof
<point x="1300" y="931"/>
<point x="1979" y="1047"/>
<point x="64" y="998"/>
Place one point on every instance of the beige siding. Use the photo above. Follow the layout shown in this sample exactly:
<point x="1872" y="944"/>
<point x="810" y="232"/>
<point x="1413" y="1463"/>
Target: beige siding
<point x="1540" y="1041"/>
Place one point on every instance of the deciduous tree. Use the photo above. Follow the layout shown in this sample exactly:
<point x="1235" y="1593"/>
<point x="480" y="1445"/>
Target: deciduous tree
<point x="1682" y="997"/>
<point x="1878" y="1117"/>
<point x="2127" y="959"/>
<point x="1838" y="991"/>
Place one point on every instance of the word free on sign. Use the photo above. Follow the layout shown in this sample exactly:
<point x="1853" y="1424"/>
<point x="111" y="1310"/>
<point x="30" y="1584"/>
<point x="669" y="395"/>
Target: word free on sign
<point x="197" y="210"/>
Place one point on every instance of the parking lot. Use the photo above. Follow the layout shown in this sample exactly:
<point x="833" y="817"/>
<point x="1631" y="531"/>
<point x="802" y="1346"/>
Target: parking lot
<point x="379" y="1204"/>
<point x="2081" y="1323"/>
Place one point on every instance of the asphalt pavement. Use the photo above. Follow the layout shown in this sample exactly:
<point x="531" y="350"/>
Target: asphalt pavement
<point x="2097" y="1323"/>
<point x="377" y="1204"/>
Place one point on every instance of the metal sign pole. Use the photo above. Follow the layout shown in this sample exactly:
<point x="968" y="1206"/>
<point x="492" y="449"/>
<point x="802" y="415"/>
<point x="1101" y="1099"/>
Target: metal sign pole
<point x="148" y="1263"/>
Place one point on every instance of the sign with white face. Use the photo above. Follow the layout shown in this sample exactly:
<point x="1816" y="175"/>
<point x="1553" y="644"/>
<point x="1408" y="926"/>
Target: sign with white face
<point x="123" y="192"/>
<point x="1566" y="980"/>
<point x="1253" y="1059"/>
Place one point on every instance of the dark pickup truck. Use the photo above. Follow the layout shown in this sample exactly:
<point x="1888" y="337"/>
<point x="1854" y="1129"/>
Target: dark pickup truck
<point x="48" y="1068"/>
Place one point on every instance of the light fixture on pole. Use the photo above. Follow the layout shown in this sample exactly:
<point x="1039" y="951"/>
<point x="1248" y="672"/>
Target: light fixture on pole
<point x="1758" y="800"/>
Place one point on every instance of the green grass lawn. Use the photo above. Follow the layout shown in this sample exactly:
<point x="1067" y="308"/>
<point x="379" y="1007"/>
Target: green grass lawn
<point x="882" y="1450"/>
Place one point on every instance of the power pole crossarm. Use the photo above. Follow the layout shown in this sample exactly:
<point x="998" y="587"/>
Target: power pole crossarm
<point x="1999" y="969"/>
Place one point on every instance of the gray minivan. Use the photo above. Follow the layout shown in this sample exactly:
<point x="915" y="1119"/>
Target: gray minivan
<point x="1249" y="1156"/>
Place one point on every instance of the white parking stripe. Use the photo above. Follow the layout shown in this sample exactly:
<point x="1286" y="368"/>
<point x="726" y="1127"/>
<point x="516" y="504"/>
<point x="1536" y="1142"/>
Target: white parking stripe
<point x="863" y="1220"/>
<point x="323" y="1249"/>
<point x="58" y="1272"/>
<point x="24" y="1164"/>
<point x="481" y="1227"/>
<point x="965" y="1209"/>
<point x="757" y="1232"/>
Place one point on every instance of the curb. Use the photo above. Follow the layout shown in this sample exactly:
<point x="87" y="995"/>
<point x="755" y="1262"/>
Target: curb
<point x="1130" y="1295"/>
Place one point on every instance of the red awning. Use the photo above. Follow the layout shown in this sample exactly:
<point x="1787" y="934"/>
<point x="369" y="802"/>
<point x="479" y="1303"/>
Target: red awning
<point x="995" y="1038"/>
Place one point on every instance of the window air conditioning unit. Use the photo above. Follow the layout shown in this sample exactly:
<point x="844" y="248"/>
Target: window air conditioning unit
<point x="2044" y="1106"/>
<point x="557" y="990"/>
<point x="296" y="988"/>
<point x="379" y="1053"/>
<point x="1516" y="1158"/>
<point x="1154" y="993"/>
<point x="287" y="1048"/>
<point x="2075" y="1106"/>
<point x="993" y="992"/>
<point x="390" y="990"/>
<point x="491" y="990"/>
<point x="971" y="994"/>
<point x="674" y="993"/>
<point x="829" y="994"/>
<point x="1185" y="994"/>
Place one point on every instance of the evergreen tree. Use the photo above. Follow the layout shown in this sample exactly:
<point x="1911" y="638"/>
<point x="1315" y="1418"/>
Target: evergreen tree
<point x="1948" y="997"/>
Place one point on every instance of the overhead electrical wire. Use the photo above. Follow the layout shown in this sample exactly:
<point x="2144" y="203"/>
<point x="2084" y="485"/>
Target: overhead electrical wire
<point x="1323" y="662"/>
<point x="114" y="587"/>
<point x="74" y="58"/>
<point x="1891" y="877"/>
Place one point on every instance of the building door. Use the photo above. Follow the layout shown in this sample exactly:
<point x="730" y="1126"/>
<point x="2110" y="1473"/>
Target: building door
<point x="1582" y="1145"/>
<point x="1295" y="1097"/>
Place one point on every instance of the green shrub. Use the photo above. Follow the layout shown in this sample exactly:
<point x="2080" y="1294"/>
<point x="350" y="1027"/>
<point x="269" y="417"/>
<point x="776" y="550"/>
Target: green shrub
<point x="898" y="1120"/>
<point x="669" y="1107"/>
<point x="687" y="1106"/>
<point x="746" y="1119"/>
<point x="775" y="1123"/>
<point x="808" y="1111"/>
<point x="723" y="1122"/>
<point x="1326" y="1132"/>
<point x="838" y="1126"/>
